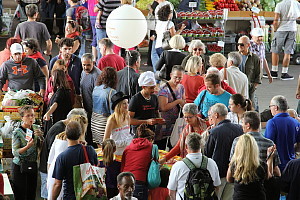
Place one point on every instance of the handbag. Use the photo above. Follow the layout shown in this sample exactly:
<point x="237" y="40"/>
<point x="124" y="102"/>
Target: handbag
<point x="177" y="129"/>
<point x="166" y="39"/>
<point x="153" y="177"/>
<point x="161" y="74"/>
<point x="89" y="182"/>
<point x="29" y="167"/>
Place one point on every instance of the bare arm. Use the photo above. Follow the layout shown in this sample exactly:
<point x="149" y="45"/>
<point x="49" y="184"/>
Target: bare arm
<point x="174" y="32"/>
<point x="109" y="127"/>
<point x="266" y="67"/>
<point x="45" y="71"/>
<point x="48" y="47"/>
<point x="56" y="189"/>
<point x="276" y="21"/>
<point x="229" y="176"/>
<point x="50" y="111"/>
<point x="298" y="89"/>
<point x="172" y="194"/>
<point x="134" y="121"/>
<point x="76" y="46"/>
<point x="29" y="144"/>
<point x="165" y="106"/>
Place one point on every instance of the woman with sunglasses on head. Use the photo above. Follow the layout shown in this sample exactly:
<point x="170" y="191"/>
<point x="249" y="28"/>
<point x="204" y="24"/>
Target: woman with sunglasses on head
<point x="73" y="31"/>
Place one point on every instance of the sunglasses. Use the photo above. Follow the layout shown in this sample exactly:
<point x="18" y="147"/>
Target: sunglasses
<point x="241" y="44"/>
<point x="199" y="49"/>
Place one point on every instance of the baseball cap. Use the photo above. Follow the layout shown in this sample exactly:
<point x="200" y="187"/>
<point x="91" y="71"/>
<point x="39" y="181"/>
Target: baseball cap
<point x="257" y="32"/>
<point x="147" y="79"/>
<point x="16" y="48"/>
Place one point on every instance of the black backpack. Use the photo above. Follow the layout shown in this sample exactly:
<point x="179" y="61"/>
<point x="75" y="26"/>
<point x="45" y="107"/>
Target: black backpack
<point x="199" y="184"/>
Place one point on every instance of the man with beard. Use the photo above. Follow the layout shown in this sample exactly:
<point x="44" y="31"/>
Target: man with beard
<point x="125" y="186"/>
<point x="88" y="80"/>
<point x="73" y="63"/>
<point x="213" y="94"/>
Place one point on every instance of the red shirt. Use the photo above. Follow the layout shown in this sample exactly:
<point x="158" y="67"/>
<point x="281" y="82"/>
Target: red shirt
<point x="158" y="193"/>
<point x="4" y="56"/>
<point x="191" y="85"/>
<point x="112" y="60"/>
<point x="136" y="158"/>
<point x="224" y="85"/>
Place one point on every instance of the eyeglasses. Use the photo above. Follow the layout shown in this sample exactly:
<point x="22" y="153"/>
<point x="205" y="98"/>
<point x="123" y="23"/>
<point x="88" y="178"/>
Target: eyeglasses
<point x="199" y="49"/>
<point x="28" y="115"/>
<point x="178" y="78"/>
<point x="241" y="44"/>
<point x="271" y="106"/>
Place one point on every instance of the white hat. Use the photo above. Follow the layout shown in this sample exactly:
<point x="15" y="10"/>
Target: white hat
<point x="147" y="79"/>
<point x="257" y="32"/>
<point x="16" y="48"/>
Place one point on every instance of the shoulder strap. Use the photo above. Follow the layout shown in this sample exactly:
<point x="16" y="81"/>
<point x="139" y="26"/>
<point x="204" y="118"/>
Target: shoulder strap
<point x="108" y="100"/>
<point x="173" y="95"/>
<point x="204" y="162"/>
<point x="86" y="157"/>
<point x="189" y="163"/>
<point x="155" y="152"/>
<point x="202" y="99"/>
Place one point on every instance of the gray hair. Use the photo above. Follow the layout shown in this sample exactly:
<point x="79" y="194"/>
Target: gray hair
<point x="195" y="44"/>
<point x="177" y="42"/>
<point x="87" y="56"/>
<point x="190" y="108"/>
<point x="76" y="111"/>
<point x="124" y="174"/>
<point x="235" y="57"/>
<point x="194" y="141"/>
<point x="213" y="70"/>
<point x="219" y="108"/>
<point x="281" y="102"/>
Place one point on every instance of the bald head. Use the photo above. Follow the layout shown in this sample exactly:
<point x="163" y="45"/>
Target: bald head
<point x="244" y="44"/>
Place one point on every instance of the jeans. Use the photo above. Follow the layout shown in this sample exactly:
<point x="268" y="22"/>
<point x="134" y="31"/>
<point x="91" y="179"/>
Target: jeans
<point x="159" y="51"/>
<point x="82" y="45"/>
<point x="141" y="192"/>
<point x="47" y="15"/>
<point x="93" y="21"/>
<point x="44" y="191"/>
<point x="101" y="33"/>
<point x="154" y="56"/>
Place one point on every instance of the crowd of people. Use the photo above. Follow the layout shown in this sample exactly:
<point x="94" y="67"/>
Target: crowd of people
<point x="200" y="108"/>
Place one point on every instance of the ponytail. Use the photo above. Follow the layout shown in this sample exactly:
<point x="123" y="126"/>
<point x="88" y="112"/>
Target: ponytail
<point x="248" y="105"/>
<point x="108" y="148"/>
<point x="144" y="132"/>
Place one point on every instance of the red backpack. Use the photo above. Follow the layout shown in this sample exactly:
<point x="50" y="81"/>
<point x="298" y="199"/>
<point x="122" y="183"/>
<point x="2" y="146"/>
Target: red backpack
<point x="82" y="18"/>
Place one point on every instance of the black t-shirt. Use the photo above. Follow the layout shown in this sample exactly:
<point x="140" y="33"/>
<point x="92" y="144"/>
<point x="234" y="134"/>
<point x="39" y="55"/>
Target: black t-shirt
<point x="254" y="190"/>
<point x="63" y="99"/>
<point x="56" y="129"/>
<point x="290" y="179"/>
<point x="144" y="109"/>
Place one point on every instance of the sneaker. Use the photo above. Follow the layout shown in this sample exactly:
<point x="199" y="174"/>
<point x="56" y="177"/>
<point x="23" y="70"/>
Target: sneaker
<point x="265" y="76"/>
<point x="286" y="77"/>
<point x="274" y="74"/>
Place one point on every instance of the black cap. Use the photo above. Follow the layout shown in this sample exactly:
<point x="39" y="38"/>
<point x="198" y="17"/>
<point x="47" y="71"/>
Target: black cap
<point x="117" y="98"/>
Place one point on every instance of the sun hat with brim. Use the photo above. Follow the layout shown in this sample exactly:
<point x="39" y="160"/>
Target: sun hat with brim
<point x="117" y="98"/>
<point x="16" y="48"/>
<point x="257" y="32"/>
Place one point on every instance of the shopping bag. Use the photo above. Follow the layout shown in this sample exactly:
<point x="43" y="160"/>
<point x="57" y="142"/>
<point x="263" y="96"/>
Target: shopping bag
<point x="153" y="177"/>
<point x="177" y="129"/>
<point x="89" y="181"/>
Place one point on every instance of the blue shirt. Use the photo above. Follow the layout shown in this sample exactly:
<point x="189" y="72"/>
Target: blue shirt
<point x="210" y="100"/>
<point x="283" y="130"/>
<point x="100" y="100"/>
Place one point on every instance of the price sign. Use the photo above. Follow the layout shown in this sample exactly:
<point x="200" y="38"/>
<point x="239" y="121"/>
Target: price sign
<point x="192" y="4"/>
<point x="221" y="43"/>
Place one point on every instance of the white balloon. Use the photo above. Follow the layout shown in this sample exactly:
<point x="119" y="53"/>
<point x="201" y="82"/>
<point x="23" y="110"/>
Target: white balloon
<point x="126" y="26"/>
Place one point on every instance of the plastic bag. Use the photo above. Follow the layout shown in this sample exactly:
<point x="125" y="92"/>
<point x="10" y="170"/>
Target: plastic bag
<point x="8" y="99"/>
<point x="7" y="128"/>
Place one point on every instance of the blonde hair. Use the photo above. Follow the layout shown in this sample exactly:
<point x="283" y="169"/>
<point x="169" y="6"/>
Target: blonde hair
<point x="82" y="120"/>
<point x="118" y="115"/>
<point x="177" y="42"/>
<point x="129" y="2"/>
<point x="194" y="64"/>
<point x="217" y="60"/>
<point x="108" y="148"/>
<point x="245" y="159"/>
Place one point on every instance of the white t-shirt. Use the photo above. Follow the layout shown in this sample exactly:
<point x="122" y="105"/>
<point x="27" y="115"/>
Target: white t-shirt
<point x="180" y="171"/>
<point x="233" y="117"/>
<point x="237" y="80"/>
<point x="287" y="23"/>
<point x="160" y="28"/>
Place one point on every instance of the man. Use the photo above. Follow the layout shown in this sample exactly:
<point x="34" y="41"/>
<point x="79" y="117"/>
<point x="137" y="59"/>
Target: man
<point x="285" y="27"/>
<point x="109" y="58"/>
<point x="130" y="87"/>
<point x="257" y="47"/>
<point x="73" y="63"/>
<point x="21" y="9"/>
<point x="251" y="67"/>
<point x="283" y="130"/>
<point x="179" y="172"/>
<point x="212" y="95"/>
<point x="290" y="180"/>
<point x="219" y="143"/>
<point x="72" y="156"/>
<point x="57" y="128"/>
<point x="33" y="29"/>
<point x="233" y="75"/>
<point x="20" y="71"/>
<point x="89" y="77"/>
<point x="70" y="12"/>
<point x="125" y="186"/>
<point x="143" y="107"/>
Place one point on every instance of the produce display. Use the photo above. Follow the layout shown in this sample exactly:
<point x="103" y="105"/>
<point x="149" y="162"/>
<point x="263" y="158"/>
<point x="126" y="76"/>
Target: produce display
<point x="21" y="98"/>
<point x="246" y="5"/>
<point x="230" y="4"/>
<point x="203" y="32"/>
<point x="213" y="48"/>
<point x="211" y="14"/>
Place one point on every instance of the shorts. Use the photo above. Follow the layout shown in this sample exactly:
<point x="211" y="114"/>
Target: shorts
<point x="44" y="191"/>
<point x="284" y="40"/>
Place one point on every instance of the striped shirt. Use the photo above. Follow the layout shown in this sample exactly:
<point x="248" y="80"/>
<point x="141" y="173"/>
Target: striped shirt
<point x="263" y="145"/>
<point x="107" y="6"/>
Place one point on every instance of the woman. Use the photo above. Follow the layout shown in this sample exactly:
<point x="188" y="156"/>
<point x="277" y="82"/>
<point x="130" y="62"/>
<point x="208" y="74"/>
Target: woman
<point x="164" y="24"/>
<point x="217" y="60"/>
<point x="171" y="98"/>
<point x="25" y="141"/>
<point x="73" y="31"/>
<point x="59" y="105"/>
<point x="238" y="105"/>
<point x="246" y="170"/>
<point x="136" y="159"/>
<point x="197" y="48"/>
<point x="172" y="57"/>
<point x="194" y="125"/>
<point x="192" y="80"/>
<point x="59" y="145"/>
<point x="118" y="127"/>
<point x="102" y="93"/>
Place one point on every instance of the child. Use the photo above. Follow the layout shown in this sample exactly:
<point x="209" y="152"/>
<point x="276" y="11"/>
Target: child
<point x="112" y="166"/>
<point x="161" y="192"/>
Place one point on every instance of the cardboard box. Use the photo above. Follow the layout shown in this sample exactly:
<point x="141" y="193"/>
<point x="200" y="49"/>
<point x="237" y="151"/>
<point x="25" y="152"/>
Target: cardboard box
<point x="234" y="13"/>
<point x="269" y="14"/>
<point x="245" y="14"/>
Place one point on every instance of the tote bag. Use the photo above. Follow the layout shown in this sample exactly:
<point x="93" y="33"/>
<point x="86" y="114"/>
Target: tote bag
<point x="153" y="177"/>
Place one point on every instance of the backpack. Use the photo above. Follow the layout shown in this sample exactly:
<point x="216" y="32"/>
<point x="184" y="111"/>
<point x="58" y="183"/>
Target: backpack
<point x="199" y="184"/>
<point x="82" y="18"/>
